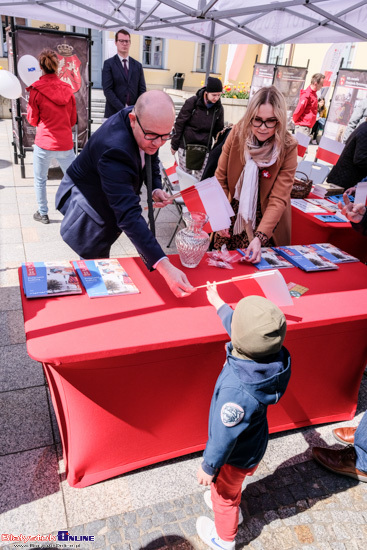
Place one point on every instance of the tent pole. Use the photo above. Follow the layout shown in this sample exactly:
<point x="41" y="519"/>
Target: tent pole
<point x="210" y="52"/>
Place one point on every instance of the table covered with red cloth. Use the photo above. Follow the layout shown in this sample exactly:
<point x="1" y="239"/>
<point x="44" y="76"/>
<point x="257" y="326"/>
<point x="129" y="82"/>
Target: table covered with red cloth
<point x="306" y="228"/>
<point x="131" y="377"/>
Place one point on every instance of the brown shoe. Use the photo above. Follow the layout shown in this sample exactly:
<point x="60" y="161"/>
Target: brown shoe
<point x="345" y="436"/>
<point x="339" y="461"/>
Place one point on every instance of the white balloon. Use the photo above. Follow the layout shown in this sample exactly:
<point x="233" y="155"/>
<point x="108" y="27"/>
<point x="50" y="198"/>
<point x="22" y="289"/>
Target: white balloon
<point x="29" y="69"/>
<point x="10" y="86"/>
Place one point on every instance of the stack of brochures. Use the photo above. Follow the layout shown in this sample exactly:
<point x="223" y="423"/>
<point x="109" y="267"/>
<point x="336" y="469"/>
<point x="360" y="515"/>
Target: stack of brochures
<point x="325" y="189"/>
<point x="42" y="279"/>
<point x="104" y="278"/>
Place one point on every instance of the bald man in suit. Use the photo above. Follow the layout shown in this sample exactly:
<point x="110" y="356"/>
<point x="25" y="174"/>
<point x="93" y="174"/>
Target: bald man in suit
<point x="122" y="77"/>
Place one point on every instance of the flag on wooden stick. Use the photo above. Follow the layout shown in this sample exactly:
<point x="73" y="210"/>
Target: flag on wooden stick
<point x="207" y="196"/>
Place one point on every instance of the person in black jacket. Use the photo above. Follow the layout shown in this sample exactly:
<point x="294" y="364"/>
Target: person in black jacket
<point x="198" y="115"/>
<point x="351" y="167"/>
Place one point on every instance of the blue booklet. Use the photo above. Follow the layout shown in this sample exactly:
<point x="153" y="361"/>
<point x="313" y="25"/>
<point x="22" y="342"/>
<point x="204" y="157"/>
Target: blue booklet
<point x="333" y="253"/>
<point x="42" y="279"/>
<point x="269" y="259"/>
<point x="329" y="219"/>
<point x="307" y="257"/>
<point x="337" y="198"/>
<point x="104" y="278"/>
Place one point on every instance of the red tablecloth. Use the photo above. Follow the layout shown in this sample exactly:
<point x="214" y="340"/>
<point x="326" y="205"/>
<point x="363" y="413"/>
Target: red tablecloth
<point x="308" y="229"/>
<point x="131" y="377"/>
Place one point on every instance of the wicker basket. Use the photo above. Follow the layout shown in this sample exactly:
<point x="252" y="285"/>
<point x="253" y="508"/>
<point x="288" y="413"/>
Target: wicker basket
<point x="301" y="186"/>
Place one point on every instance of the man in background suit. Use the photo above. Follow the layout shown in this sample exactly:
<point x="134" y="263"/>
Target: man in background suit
<point x="122" y="77"/>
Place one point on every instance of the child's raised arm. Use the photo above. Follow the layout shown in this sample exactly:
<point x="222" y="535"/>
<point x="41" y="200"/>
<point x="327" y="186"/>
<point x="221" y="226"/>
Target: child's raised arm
<point x="213" y="297"/>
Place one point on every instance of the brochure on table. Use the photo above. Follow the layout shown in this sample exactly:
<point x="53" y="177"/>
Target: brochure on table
<point x="104" y="278"/>
<point x="306" y="257"/>
<point x="49" y="279"/>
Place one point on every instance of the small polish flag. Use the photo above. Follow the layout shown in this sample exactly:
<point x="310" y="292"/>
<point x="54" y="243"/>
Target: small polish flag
<point x="171" y="173"/>
<point x="207" y="196"/>
<point x="303" y="142"/>
<point x="329" y="150"/>
<point x="271" y="283"/>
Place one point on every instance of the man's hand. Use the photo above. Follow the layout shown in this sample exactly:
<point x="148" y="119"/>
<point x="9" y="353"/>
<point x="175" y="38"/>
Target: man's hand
<point x="203" y="478"/>
<point x="175" y="278"/>
<point x="173" y="152"/>
<point x="354" y="212"/>
<point x="213" y="297"/>
<point x="161" y="198"/>
<point x="253" y="251"/>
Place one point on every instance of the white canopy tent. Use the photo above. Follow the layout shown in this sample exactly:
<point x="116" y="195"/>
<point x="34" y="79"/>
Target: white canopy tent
<point x="213" y="21"/>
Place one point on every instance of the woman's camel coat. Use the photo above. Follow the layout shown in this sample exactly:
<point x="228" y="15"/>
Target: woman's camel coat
<point x="274" y="191"/>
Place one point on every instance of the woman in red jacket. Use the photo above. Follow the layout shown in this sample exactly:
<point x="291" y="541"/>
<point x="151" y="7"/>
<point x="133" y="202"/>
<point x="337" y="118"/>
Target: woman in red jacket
<point x="52" y="109"/>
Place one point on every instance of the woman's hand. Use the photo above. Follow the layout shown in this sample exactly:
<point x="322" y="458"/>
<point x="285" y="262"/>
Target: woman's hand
<point x="253" y="251"/>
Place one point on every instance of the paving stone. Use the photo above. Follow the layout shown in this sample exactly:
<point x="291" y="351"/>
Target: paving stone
<point x="189" y="527"/>
<point x="130" y="518"/>
<point x="131" y="532"/>
<point x="114" y="522"/>
<point x="114" y="537"/>
<point x="304" y="534"/>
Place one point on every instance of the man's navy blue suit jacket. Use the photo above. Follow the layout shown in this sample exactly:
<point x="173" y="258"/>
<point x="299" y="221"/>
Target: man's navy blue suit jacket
<point x="99" y="194"/>
<point x="117" y="88"/>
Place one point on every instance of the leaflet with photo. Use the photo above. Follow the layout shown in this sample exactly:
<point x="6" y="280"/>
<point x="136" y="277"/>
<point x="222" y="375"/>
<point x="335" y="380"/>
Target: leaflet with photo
<point x="306" y="257"/>
<point x="306" y="206"/>
<point x="324" y="203"/>
<point x="42" y="279"/>
<point x="269" y="259"/>
<point x="334" y="254"/>
<point x="104" y="278"/>
<point x="337" y="198"/>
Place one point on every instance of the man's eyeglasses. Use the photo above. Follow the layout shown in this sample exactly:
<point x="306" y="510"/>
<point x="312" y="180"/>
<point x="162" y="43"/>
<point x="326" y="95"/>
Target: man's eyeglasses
<point x="123" y="41"/>
<point x="151" y="137"/>
<point x="269" y="123"/>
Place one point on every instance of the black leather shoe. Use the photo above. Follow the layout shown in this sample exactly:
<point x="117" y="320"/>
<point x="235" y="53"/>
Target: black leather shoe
<point x="41" y="218"/>
<point x="339" y="461"/>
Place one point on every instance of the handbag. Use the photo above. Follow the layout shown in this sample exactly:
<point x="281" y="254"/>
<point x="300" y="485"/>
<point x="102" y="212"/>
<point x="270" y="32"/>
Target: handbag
<point x="195" y="153"/>
<point x="195" y="156"/>
<point x="301" y="186"/>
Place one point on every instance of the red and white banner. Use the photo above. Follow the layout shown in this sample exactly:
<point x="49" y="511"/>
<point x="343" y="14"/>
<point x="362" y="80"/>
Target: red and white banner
<point x="303" y="142"/>
<point x="207" y="196"/>
<point x="329" y="150"/>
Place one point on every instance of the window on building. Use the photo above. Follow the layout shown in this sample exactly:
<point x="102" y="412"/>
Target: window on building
<point x="202" y="56"/>
<point x="153" y="50"/>
<point x="274" y="53"/>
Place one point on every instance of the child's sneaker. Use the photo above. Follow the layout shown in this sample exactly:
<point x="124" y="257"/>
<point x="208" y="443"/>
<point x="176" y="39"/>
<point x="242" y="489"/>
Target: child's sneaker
<point x="206" y="530"/>
<point x="208" y="502"/>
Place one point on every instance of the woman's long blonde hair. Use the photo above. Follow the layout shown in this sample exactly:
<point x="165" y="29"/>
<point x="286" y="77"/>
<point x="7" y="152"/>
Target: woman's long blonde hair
<point x="276" y="99"/>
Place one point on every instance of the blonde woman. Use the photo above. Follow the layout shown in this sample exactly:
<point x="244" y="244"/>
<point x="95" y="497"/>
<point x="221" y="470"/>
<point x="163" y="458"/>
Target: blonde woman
<point x="256" y="170"/>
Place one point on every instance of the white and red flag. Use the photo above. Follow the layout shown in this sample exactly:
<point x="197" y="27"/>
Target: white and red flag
<point x="329" y="150"/>
<point x="172" y="174"/>
<point x="207" y="196"/>
<point x="303" y="142"/>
